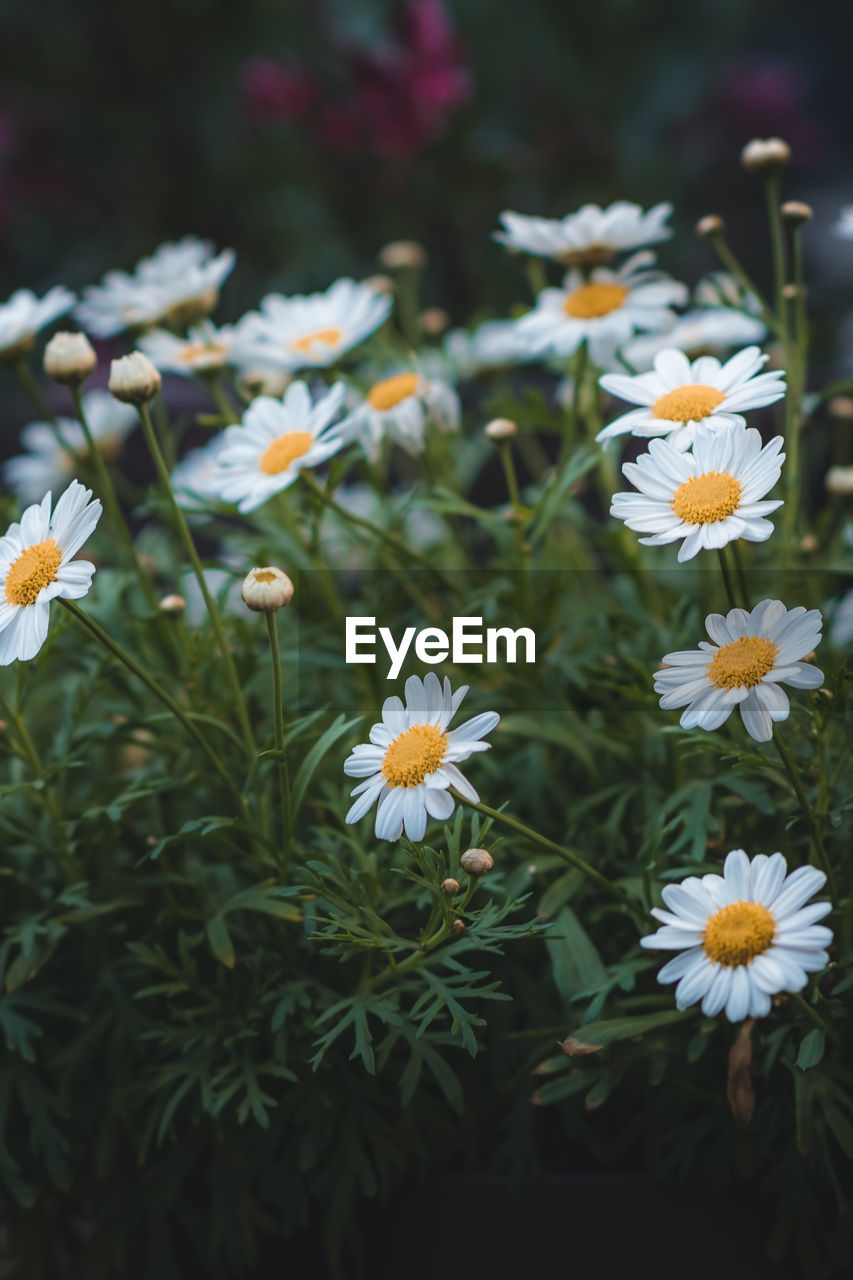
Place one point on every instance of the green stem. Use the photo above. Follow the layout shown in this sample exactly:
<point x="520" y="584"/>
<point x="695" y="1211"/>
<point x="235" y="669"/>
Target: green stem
<point x="33" y="390"/>
<point x="810" y="1010"/>
<point x="568" y="855"/>
<point x="777" y="240"/>
<point x="189" y="547"/>
<point x="536" y="274"/>
<point x="177" y="711"/>
<point x="213" y="385"/>
<point x="793" y="775"/>
<point x="740" y="572"/>
<point x="30" y="756"/>
<point x="746" y="282"/>
<point x="390" y="539"/>
<point x="727" y="578"/>
<point x="281" y="759"/>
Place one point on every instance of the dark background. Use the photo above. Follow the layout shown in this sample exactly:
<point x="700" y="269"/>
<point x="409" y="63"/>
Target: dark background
<point x="305" y="133"/>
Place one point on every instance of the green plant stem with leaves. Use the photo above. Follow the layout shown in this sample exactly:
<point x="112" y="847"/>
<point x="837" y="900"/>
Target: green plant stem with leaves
<point x="281" y="758"/>
<point x="799" y="791"/>
<point x="189" y="546"/>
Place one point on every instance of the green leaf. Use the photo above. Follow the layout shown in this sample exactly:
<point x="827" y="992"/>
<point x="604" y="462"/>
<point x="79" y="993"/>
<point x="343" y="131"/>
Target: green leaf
<point x="220" y="940"/>
<point x="595" y="1035"/>
<point x="811" y="1049"/>
<point x="308" y="768"/>
<point x="575" y="962"/>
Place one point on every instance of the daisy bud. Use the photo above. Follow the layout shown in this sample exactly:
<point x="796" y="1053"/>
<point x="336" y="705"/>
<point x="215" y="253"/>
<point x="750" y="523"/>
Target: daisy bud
<point x="791" y="292"/>
<point x="173" y="604"/>
<point x="500" y="429"/>
<point x="459" y="927"/>
<point x="434" y="321"/>
<point x="450" y="886"/>
<point x="69" y="358"/>
<point x="267" y="589"/>
<point x="841" y="408"/>
<point x="400" y="254"/>
<point x="266" y="382"/>
<point x="134" y="379"/>
<point x="796" y="212"/>
<point x="765" y="156"/>
<point x="477" y="862"/>
<point x="709" y="226"/>
<point x="839" y="480"/>
<point x="809" y="544"/>
<point x="381" y="284"/>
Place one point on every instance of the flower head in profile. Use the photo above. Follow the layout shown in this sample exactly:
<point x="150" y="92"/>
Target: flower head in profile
<point x="274" y="442"/>
<point x="401" y="407"/>
<point x="742" y="936"/>
<point x="205" y="349"/>
<point x="706" y="498"/>
<point x="178" y="285"/>
<point x="678" y="397"/>
<point x="49" y="464"/>
<point x="590" y="237"/>
<point x="604" y="310"/>
<point x="494" y="344"/>
<point x="36" y="566"/>
<point x="311" y="331"/>
<point x="411" y="760"/>
<point x="25" y="315"/>
<point x="752" y="654"/>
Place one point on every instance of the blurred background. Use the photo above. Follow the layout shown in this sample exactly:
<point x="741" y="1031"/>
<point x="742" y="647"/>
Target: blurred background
<point x="306" y="133"/>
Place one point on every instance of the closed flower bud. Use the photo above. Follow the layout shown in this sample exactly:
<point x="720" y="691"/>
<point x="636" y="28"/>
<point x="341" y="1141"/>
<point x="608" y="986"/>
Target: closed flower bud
<point x="266" y="590"/>
<point x="459" y="927"/>
<point x="766" y="156"/>
<point x="796" y="212"/>
<point x="841" y="408"/>
<point x="401" y="254"/>
<point x="382" y="284"/>
<point x="434" y="321"/>
<point x="500" y="429"/>
<point x="711" y="225"/>
<point x="173" y="604"/>
<point x="839" y="480"/>
<point x="791" y="292"/>
<point x="134" y="379"/>
<point x="809" y="544"/>
<point x="477" y="862"/>
<point x="450" y="886"/>
<point x="69" y="358"/>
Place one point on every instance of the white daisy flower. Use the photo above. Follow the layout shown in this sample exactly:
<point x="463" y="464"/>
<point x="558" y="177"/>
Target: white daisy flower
<point x="193" y="477"/>
<point x="842" y="621"/>
<point x="36" y="567"/>
<point x="603" y="310"/>
<point x="742" y="936"/>
<point x="274" y="442"/>
<point x="400" y="408"/>
<point x="204" y="350"/>
<point x="706" y="498"/>
<point x="705" y="331"/>
<point x="751" y="655"/>
<point x="178" y="284"/>
<point x="50" y="462"/>
<point x="494" y="344"/>
<point x="589" y="237"/>
<point x="843" y="228"/>
<point x="677" y="396"/>
<point x="312" y="331"/>
<point x="25" y="315"/>
<point x="410" y="761"/>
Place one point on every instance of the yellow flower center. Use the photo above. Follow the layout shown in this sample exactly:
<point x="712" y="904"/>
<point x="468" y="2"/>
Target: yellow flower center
<point x="688" y="404"/>
<point x="414" y="754"/>
<point x="284" y="450"/>
<point x="742" y="663"/>
<point x="591" y="301"/>
<point x="318" y="337"/>
<point x="34" y="568"/>
<point x="264" y="575"/>
<point x="705" y="499"/>
<point x="203" y="351"/>
<point x="736" y="934"/>
<point x="188" y="310"/>
<point x="386" y="394"/>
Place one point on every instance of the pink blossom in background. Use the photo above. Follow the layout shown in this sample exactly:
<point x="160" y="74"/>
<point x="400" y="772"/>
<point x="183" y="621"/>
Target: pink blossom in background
<point x="768" y="97"/>
<point x="275" y="92"/>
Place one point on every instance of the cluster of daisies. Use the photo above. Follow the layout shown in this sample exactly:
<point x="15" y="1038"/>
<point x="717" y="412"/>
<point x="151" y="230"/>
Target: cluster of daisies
<point x="703" y="483"/>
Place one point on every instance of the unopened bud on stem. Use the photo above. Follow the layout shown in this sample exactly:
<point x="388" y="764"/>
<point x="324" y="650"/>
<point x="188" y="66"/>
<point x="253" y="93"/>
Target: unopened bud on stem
<point x="450" y="886"/>
<point x="134" y="379"/>
<point x="765" y="156"/>
<point x="69" y="358"/>
<point x="709" y="226"/>
<point x="477" y="862"/>
<point x="403" y="254"/>
<point x="266" y="589"/>
<point x="500" y="429"/>
<point x="796" y="212"/>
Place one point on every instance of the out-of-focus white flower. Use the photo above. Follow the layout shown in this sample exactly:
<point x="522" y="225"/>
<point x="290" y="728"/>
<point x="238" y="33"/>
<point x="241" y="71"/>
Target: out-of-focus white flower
<point x="841" y="632"/>
<point x="742" y="936"/>
<point x="589" y="237"/>
<point x="25" y="315"/>
<point x="192" y="477"/>
<point x="178" y="284"/>
<point x="678" y="397"/>
<point x="401" y="408"/>
<point x="134" y="379"/>
<point x="843" y="228"/>
<point x="69" y="358"/>
<point x="419" y="528"/>
<point x="36" y="566"/>
<point x="311" y="331"/>
<point x="204" y="350"/>
<point x="603" y="310"/>
<point x="49" y="464"/>
<point x="274" y="442"/>
<point x="494" y="344"/>
<point x="752" y="654"/>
